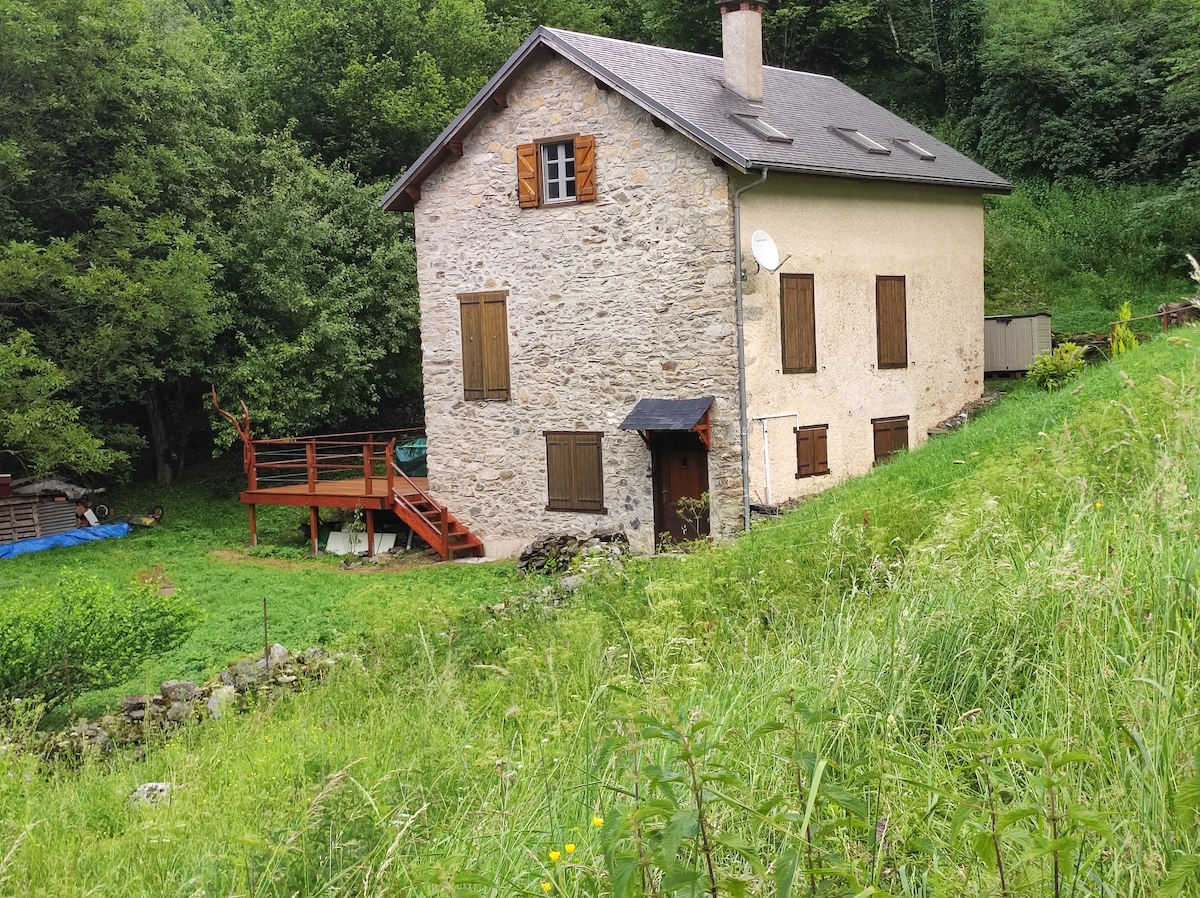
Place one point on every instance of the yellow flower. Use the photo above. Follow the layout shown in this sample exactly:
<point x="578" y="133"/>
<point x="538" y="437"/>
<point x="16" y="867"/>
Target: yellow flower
<point x="569" y="848"/>
<point x="1136" y="516"/>
<point x="555" y="854"/>
<point x="546" y="887"/>
<point x="1099" y="504"/>
<point x="599" y="821"/>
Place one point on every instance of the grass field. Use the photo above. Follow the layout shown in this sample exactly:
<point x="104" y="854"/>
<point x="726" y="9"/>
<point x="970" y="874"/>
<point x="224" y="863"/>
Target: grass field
<point x="973" y="672"/>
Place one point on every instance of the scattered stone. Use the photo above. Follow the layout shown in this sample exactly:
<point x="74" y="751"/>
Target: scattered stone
<point x="179" y="713"/>
<point x="277" y="655"/>
<point x="182" y="702"/>
<point x="219" y="701"/>
<point x="178" y="690"/>
<point x="151" y="794"/>
<point x="551" y="554"/>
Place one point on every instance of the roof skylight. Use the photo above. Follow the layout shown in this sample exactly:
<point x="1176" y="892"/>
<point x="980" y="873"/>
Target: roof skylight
<point x="761" y="128"/>
<point x="920" y="152"/>
<point x="863" y="142"/>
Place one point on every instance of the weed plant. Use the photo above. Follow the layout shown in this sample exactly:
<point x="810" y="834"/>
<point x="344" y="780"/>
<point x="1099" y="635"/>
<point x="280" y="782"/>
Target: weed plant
<point x="973" y="672"/>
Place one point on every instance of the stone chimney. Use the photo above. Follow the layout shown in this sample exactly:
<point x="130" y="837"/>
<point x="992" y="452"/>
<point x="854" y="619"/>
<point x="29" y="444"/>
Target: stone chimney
<point x="741" y="46"/>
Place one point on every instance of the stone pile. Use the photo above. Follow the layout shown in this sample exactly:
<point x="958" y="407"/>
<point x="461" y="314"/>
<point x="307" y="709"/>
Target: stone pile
<point x="181" y="702"/>
<point x="551" y="554"/>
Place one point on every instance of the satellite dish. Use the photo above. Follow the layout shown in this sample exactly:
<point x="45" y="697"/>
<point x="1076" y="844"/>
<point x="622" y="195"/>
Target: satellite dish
<point x="766" y="253"/>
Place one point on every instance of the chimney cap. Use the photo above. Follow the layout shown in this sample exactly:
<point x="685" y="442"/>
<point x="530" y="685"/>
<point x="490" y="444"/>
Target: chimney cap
<point x="734" y="5"/>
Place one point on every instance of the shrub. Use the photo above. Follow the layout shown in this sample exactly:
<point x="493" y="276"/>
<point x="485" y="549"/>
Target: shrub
<point x="1051" y="369"/>
<point x="1123" y="339"/>
<point x="85" y="634"/>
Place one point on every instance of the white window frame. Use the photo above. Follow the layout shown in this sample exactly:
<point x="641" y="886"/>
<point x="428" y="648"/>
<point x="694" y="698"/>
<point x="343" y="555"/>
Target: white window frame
<point x="559" y="156"/>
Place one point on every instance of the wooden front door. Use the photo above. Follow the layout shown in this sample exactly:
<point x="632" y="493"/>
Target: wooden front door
<point x="680" y="471"/>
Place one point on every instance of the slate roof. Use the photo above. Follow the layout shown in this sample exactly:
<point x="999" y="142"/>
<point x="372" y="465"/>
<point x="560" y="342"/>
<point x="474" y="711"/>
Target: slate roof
<point x="685" y="91"/>
<point x="666" y="414"/>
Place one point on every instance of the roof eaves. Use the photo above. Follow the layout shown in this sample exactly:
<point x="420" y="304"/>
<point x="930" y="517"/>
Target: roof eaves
<point x="998" y="186"/>
<point x="397" y="198"/>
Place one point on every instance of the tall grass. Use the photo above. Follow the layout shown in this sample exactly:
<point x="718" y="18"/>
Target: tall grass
<point x="973" y="672"/>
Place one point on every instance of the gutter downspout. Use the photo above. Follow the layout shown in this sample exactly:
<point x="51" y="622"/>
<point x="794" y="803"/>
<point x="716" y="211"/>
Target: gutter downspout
<point x="743" y="399"/>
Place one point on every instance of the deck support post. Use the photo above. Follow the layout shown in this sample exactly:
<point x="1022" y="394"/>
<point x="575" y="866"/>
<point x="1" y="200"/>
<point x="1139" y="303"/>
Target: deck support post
<point x="253" y="526"/>
<point x="314" y="523"/>
<point x="370" y="533"/>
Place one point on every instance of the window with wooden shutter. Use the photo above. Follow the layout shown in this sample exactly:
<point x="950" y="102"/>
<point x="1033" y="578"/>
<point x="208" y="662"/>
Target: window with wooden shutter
<point x="484" y="319"/>
<point x="574" y="471"/>
<point x="557" y="170"/>
<point x="797" y="323"/>
<point x="812" y="454"/>
<point x="891" y="435"/>
<point x="891" y="322"/>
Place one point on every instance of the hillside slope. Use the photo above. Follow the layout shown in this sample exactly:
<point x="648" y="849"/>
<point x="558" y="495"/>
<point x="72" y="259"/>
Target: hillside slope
<point x="973" y="672"/>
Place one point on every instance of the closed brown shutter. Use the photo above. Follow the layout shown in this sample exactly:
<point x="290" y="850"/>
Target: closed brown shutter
<point x="797" y="323"/>
<point x="891" y="435"/>
<point x="891" y="322"/>
<point x="585" y="168"/>
<point x="527" y="175"/>
<point x="471" y="316"/>
<point x="574" y="472"/>
<point x="495" y="346"/>
<point x="812" y="451"/>
<point x="484" y="319"/>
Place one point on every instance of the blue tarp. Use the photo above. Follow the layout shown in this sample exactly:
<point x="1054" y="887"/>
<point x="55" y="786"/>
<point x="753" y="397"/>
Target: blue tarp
<point x="69" y="538"/>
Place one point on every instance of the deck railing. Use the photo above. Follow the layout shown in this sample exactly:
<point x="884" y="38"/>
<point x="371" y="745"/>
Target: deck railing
<point x="325" y="458"/>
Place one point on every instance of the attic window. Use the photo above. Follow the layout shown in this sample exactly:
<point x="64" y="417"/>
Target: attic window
<point x="863" y="142"/>
<point x="761" y="128"/>
<point x="920" y="152"/>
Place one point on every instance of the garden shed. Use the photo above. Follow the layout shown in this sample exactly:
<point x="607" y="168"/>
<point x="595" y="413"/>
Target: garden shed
<point x="1011" y="341"/>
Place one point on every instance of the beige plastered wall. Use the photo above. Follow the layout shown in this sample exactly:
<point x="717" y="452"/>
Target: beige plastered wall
<point x="845" y="233"/>
<point x="609" y="302"/>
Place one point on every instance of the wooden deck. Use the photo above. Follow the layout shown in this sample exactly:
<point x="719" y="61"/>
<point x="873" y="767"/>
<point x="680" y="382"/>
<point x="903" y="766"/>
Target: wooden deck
<point x="348" y="471"/>
<point x="374" y="493"/>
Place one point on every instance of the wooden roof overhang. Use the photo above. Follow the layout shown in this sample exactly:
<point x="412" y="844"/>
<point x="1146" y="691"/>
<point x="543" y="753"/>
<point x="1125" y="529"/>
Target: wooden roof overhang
<point x="651" y="415"/>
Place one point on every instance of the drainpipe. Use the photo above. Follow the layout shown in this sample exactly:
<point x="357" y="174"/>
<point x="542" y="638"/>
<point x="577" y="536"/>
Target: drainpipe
<point x="743" y="400"/>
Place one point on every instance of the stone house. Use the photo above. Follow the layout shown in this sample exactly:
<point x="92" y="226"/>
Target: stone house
<point x="598" y="342"/>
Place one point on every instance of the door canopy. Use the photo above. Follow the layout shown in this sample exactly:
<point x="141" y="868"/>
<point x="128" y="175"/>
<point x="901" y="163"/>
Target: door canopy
<point x="671" y="414"/>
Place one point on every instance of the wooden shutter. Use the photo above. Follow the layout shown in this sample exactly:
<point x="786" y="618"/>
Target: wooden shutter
<point x="812" y="451"/>
<point x="527" y="175"/>
<point x="495" y="346"/>
<point x="797" y="323"/>
<point x="585" y="168"/>
<point x="891" y="322"/>
<point x="484" y="319"/>
<point x="574" y="472"/>
<point x="471" y="317"/>
<point x="891" y="434"/>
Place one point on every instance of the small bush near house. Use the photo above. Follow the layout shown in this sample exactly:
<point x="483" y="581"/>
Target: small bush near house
<point x="85" y="633"/>
<point x="1051" y="369"/>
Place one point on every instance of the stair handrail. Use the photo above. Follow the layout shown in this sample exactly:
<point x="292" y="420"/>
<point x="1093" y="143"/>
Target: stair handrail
<point x="444" y="536"/>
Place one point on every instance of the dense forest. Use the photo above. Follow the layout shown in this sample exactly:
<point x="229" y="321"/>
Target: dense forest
<point x="188" y="190"/>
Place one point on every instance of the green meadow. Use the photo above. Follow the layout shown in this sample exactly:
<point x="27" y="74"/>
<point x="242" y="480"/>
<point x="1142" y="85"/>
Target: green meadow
<point x="972" y="672"/>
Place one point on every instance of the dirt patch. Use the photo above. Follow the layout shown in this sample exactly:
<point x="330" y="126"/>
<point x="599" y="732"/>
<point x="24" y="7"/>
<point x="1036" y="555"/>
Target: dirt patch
<point x="386" y="563"/>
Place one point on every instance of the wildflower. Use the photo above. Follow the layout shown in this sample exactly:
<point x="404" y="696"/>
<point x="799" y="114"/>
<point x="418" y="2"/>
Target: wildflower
<point x="1136" y="516"/>
<point x="555" y="854"/>
<point x="546" y="886"/>
<point x="1099" y="504"/>
<point x="597" y="821"/>
<point x="569" y="848"/>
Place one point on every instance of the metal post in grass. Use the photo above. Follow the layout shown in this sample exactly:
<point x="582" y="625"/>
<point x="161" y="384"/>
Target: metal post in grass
<point x="266" y="640"/>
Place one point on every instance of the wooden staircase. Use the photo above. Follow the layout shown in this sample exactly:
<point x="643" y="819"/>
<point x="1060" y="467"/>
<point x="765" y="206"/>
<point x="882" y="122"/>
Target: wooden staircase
<point x="432" y="521"/>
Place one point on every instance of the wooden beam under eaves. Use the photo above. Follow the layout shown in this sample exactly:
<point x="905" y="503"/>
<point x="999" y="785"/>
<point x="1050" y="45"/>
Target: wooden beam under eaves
<point x="456" y="147"/>
<point x="413" y="192"/>
<point x="500" y="98"/>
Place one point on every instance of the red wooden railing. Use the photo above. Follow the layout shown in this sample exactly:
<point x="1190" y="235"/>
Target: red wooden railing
<point x="326" y="458"/>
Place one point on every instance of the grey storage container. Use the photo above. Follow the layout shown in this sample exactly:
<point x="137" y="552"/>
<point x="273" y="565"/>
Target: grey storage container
<point x="1011" y="341"/>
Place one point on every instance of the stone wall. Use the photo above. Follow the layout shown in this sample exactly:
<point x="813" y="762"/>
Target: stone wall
<point x="609" y="302"/>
